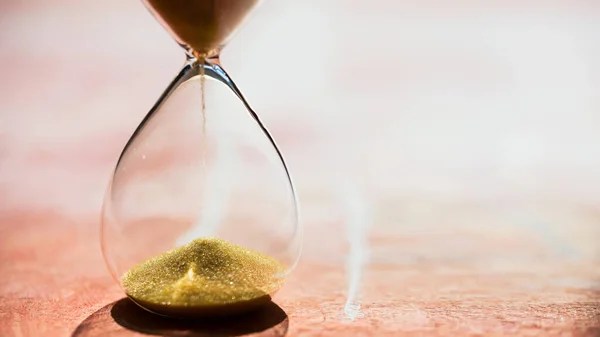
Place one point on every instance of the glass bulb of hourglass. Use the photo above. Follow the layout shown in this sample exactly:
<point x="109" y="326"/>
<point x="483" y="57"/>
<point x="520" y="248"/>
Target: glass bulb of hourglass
<point x="201" y="27"/>
<point x="200" y="216"/>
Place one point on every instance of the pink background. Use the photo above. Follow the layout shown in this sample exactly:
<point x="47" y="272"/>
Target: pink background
<point x="446" y="157"/>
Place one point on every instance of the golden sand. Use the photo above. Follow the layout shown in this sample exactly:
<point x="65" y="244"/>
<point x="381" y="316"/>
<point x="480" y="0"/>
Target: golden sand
<point x="203" y="25"/>
<point x="206" y="277"/>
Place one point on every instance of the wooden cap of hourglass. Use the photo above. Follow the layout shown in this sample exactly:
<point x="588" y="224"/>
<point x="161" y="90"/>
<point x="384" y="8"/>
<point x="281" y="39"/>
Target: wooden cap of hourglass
<point x="203" y="27"/>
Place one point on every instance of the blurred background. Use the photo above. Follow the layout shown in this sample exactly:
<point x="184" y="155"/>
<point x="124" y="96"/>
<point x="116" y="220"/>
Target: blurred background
<point x="442" y="151"/>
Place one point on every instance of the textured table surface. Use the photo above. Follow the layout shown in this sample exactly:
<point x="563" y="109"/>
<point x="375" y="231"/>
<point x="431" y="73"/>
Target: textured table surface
<point x="427" y="212"/>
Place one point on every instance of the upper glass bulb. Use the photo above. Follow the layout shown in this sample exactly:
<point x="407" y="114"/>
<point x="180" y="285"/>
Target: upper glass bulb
<point x="202" y="27"/>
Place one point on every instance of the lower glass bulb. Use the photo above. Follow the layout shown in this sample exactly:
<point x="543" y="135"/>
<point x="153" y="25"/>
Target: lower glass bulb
<point x="200" y="216"/>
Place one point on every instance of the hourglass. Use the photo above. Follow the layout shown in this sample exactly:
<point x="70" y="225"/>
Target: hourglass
<point x="200" y="216"/>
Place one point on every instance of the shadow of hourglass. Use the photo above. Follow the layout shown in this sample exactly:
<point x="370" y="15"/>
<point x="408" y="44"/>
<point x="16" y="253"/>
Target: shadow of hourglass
<point x="125" y="318"/>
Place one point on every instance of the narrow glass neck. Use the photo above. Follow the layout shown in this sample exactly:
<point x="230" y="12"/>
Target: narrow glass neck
<point x="194" y="57"/>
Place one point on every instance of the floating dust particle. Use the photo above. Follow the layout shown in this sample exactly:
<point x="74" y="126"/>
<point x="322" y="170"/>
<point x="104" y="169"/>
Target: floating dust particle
<point x="203" y="25"/>
<point x="207" y="277"/>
